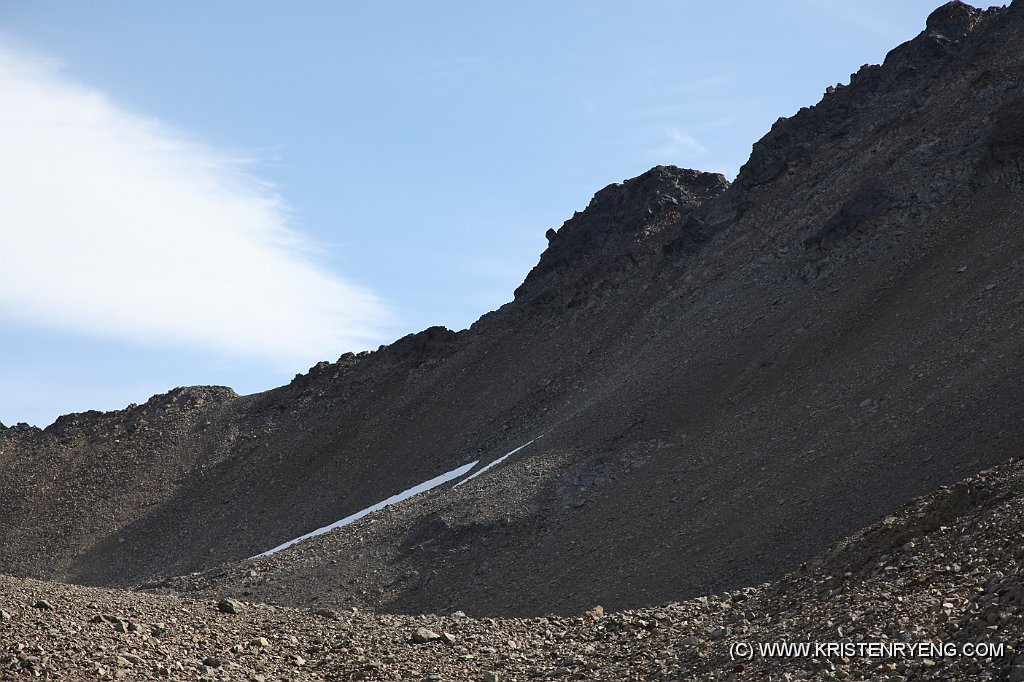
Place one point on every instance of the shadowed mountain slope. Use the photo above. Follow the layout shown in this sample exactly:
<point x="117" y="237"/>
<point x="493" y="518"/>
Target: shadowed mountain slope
<point x="719" y="381"/>
<point x="940" y="574"/>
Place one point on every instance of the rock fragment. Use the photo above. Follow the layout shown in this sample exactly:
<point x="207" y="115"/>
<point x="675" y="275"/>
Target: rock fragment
<point x="424" y="635"/>
<point x="229" y="605"/>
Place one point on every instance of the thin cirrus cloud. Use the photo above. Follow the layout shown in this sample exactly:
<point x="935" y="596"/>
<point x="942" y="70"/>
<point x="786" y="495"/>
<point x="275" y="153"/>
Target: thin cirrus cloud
<point x="680" y="143"/>
<point x="678" y="147"/>
<point x="114" y="224"/>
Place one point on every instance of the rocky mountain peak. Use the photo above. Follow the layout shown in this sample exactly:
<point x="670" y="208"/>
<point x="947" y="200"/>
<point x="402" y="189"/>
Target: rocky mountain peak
<point x="640" y="202"/>
<point x="623" y="224"/>
<point x="954" y="20"/>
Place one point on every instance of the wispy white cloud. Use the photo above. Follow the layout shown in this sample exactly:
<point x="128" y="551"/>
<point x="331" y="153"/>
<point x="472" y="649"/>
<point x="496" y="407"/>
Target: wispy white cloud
<point x="679" y="146"/>
<point x="115" y="224"/>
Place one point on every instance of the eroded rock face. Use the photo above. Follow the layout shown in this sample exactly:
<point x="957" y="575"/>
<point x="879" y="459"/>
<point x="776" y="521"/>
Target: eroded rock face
<point x="1004" y="150"/>
<point x="953" y="21"/>
<point x="624" y="225"/>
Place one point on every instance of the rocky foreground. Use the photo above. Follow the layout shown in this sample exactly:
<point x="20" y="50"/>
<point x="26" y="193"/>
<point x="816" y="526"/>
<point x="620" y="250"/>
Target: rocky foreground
<point x="944" y="574"/>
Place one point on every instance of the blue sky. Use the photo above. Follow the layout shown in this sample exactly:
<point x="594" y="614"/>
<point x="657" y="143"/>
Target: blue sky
<point x="228" y="192"/>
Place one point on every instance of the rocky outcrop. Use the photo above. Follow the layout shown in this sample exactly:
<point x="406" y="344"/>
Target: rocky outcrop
<point x="953" y="21"/>
<point x="625" y="225"/>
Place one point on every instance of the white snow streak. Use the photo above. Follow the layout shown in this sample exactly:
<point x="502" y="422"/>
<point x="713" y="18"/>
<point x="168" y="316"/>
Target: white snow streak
<point x="494" y="463"/>
<point x="394" y="499"/>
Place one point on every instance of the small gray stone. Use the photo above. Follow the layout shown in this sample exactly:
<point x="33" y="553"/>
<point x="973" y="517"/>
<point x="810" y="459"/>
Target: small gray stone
<point x="423" y="636"/>
<point x="43" y="605"/>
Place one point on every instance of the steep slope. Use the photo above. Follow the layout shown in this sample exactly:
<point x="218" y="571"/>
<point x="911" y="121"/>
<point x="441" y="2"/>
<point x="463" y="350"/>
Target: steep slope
<point x="941" y="575"/>
<point x="724" y="380"/>
<point x="200" y="475"/>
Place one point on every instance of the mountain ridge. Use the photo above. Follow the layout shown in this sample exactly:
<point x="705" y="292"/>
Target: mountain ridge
<point x="762" y="367"/>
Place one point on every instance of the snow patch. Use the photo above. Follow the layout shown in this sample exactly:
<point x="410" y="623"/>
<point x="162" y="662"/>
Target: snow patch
<point x="394" y="499"/>
<point x="494" y="463"/>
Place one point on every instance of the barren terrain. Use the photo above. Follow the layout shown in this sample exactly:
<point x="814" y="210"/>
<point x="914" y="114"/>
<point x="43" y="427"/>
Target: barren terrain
<point x="699" y="389"/>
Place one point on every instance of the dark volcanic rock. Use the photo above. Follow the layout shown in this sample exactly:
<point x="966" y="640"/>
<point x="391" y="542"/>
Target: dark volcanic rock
<point x="624" y="224"/>
<point x="954" y="20"/>
<point x="430" y="344"/>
